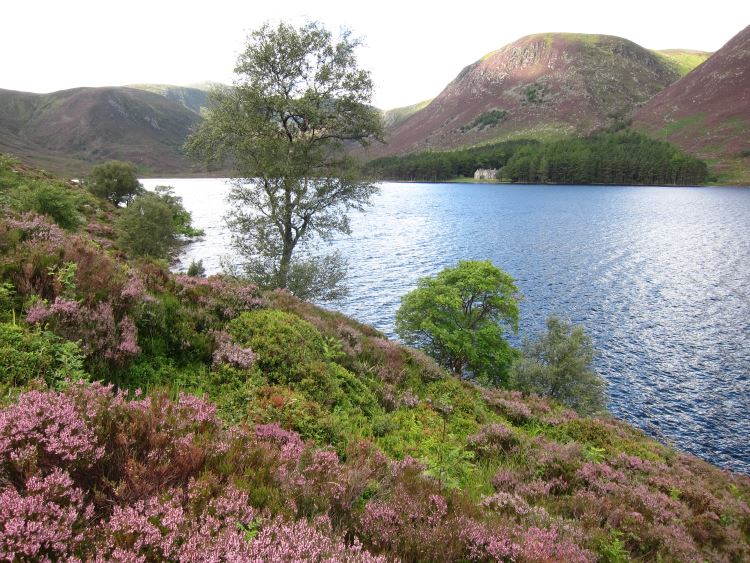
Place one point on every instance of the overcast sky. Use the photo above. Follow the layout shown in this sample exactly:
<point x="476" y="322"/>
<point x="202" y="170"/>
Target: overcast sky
<point x="413" y="49"/>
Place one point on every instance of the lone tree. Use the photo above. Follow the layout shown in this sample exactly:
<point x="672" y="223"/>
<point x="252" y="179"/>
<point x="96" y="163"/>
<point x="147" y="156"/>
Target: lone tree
<point x="459" y="317"/>
<point x="558" y="365"/>
<point x="298" y="100"/>
<point x="114" y="181"/>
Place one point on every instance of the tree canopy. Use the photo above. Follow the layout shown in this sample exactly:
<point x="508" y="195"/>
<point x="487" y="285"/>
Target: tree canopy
<point x="298" y="100"/>
<point x="114" y="181"/>
<point x="460" y="316"/>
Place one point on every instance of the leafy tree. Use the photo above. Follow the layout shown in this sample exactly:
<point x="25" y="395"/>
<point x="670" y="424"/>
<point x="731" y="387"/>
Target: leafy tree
<point x="114" y="181"/>
<point x="459" y="317"/>
<point x="558" y="365"/>
<point x="298" y="100"/>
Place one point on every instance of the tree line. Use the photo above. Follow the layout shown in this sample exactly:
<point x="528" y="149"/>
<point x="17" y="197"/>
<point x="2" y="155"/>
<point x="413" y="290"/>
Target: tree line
<point x="624" y="157"/>
<point x="436" y="166"/>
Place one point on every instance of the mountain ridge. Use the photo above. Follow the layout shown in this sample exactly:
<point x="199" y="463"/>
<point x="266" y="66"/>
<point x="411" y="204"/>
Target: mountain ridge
<point x="541" y="86"/>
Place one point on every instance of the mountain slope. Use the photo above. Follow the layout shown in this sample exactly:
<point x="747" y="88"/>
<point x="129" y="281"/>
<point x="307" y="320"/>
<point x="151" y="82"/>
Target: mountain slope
<point x="194" y="98"/>
<point x="683" y="60"/>
<point x="70" y="130"/>
<point x="540" y="86"/>
<point x="707" y="112"/>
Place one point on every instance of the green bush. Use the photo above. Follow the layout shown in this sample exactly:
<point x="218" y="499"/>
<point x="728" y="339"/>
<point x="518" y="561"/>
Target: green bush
<point x="145" y="227"/>
<point x="28" y="355"/>
<point x="285" y="344"/>
<point x="52" y="200"/>
<point x="152" y="223"/>
<point x="459" y="317"/>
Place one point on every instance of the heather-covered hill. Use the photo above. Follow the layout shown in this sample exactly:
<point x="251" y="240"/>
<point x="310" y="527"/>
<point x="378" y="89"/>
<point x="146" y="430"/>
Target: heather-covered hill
<point x="541" y="86"/>
<point x="256" y="427"/>
<point x="707" y="113"/>
<point x="71" y="130"/>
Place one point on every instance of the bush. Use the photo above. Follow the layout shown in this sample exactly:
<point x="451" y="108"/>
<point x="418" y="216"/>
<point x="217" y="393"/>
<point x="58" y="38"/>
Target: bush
<point x="146" y="228"/>
<point x="114" y="181"/>
<point x="286" y="346"/>
<point x="29" y="355"/>
<point x="52" y="200"/>
<point x="152" y="222"/>
<point x="558" y="365"/>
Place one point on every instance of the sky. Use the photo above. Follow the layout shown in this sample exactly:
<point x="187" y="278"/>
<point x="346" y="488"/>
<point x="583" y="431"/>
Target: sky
<point x="413" y="49"/>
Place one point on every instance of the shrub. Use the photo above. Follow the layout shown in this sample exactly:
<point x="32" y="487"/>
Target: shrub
<point x="492" y="440"/>
<point x="285" y="345"/>
<point x="558" y="365"/>
<point x="145" y="227"/>
<point x="52" y="200"/>
<point x="29" y="355"/>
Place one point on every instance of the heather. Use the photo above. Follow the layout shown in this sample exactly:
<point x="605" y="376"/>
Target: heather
<point x="150" y="416"/>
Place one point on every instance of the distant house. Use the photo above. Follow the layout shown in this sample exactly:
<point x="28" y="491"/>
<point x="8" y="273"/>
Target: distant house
<point x="485" y="174"/>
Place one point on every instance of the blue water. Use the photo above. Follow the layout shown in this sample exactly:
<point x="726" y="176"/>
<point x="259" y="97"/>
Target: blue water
<point x="659" y="277"/>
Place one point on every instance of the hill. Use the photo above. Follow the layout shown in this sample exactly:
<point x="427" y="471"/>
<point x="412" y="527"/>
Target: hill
<point x="71" y="130"/>
<point x="541" y="86"/>
<point x="707" y="112"/>
<point x="203" y="415"/>
<point x="683" y="60"/>
<point x="194" y="98"/>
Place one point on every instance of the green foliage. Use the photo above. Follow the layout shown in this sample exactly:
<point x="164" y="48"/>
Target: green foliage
<point x="53" y="200"/>
<point x="487" y="119"/>
<point x="534" y="94"/>
<point x="181" y="218"/>
<point x="28" y="355"/>
<point x="558" y="365"/>
<point x="456" y="317"/>
<point x="436" y="166"/>
<point x="196" y="269"/>
<point x="152" y="223"/>
<point x="285" y="344"/>
<point x="298" y="99"/>
<point x="614" y="158"/>
<point x="620" y="157"/>
<point x="145" y="227"/>
<point x="613" y="549"/>
<point x="115" y="181"/>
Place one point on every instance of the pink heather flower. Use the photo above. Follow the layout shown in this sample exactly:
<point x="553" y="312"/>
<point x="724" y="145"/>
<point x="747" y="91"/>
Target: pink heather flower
<point x="290" y="442"/>
<point x="41" y="523"/>
<point x="536" y="544"/>
<point x="64" y="307"/>
<point x="37" y="313"/>
<point x="197" y="410"/>
<point x="133" y="289"/>
<point x="128" y="337"/>
<point x="282" y="542"/>
<point x="493" y="439"/>
<point x="50" y="422"/>
<point x="227" y="352"/>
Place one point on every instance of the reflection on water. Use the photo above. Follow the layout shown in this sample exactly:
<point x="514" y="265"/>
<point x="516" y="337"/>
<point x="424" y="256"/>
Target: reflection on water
<point x="658" y="276"/>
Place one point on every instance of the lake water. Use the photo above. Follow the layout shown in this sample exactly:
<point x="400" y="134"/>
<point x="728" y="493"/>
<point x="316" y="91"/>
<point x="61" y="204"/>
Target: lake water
<point x="660" y="277"/>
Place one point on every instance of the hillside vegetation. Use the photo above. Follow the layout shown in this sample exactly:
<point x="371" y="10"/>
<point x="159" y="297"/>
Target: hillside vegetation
<point x="618" y="158"/>
<point x="255" y="426"/>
